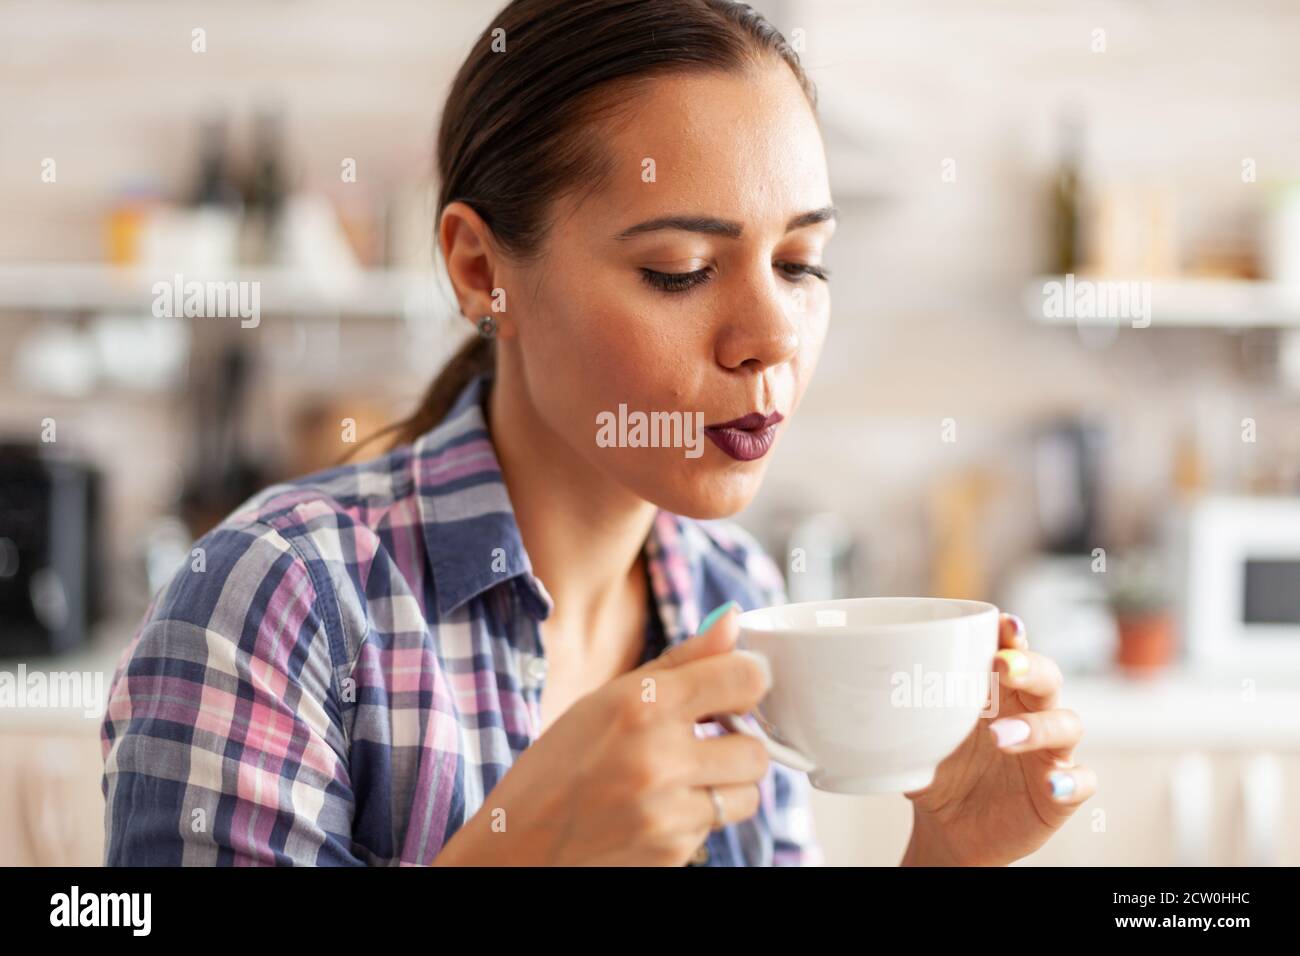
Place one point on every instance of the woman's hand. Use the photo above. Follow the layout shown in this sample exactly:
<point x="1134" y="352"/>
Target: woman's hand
<point x="1012" y="783"/>
<point x="621" y="777"/>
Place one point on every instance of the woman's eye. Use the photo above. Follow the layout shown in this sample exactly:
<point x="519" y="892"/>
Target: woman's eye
<point x="675" y="281"/>
<point x="682" y="281"/>
<point x="795" y="271"/>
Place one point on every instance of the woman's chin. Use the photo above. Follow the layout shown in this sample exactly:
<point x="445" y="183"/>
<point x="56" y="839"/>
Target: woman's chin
<point x="708" y="496"/>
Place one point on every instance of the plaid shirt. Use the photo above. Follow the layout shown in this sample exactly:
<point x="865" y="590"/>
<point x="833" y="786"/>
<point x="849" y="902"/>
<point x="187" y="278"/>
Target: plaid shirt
<point x="353" y="660"/>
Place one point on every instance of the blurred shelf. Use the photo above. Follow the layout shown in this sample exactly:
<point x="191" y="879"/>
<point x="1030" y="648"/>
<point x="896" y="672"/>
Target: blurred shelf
<point x="1184" y="303"/>
<point x="1184" y="708"/>
<point x="97" y="287"/>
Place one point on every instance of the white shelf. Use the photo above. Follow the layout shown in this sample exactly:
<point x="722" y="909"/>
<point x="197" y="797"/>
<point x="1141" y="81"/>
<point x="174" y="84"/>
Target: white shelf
<point x="1184" y="709"/>
<point x="1186" y="303"/>
<point x="97" y="287"/>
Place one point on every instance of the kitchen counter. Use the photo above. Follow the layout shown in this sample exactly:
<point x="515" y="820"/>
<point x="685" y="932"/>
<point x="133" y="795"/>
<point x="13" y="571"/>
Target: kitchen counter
<point x="1184" y="708"/>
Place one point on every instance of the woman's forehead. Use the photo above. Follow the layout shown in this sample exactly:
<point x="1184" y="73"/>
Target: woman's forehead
<point x="739" y="146"/>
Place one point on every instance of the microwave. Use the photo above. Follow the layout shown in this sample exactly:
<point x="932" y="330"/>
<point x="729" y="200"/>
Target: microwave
<point x="1240" y="581"/>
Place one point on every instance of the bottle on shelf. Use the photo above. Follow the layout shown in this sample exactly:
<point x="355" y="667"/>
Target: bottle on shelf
<point x="1067" y="196"/>
<point x="265" y="190"/>
<point x="214" y="183"/>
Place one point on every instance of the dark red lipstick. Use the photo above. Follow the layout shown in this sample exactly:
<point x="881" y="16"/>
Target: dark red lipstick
<point x="746" y="438"/>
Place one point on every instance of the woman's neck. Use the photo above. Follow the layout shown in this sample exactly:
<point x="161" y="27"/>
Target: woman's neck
<point x="584" y="534"/>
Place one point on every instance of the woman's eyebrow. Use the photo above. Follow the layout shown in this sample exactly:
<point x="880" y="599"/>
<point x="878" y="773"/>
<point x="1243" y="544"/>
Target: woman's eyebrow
<point x="720" y="227"/>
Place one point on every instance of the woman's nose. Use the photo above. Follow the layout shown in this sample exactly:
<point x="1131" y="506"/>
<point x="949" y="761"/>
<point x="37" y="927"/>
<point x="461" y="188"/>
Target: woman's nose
<point x="760" y="330"/>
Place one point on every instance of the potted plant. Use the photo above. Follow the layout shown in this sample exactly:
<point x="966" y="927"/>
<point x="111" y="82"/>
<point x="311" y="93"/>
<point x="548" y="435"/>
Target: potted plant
<point x="1140" y="600"/>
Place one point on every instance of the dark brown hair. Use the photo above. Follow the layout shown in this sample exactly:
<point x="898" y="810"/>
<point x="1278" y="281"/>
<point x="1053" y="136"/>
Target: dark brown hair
<point x="513" y="135"/>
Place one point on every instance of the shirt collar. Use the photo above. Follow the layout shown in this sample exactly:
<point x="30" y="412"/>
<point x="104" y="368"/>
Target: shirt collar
<point x="469" y="525"/>
<point x="675" y="573"/>
<point x="473" y="539"/>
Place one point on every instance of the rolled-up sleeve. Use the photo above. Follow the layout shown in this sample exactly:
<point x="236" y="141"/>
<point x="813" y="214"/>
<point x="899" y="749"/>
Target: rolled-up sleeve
<point x="223" y="739"/>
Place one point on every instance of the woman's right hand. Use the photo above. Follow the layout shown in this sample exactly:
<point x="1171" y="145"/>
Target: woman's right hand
<point x="621" y="777"/>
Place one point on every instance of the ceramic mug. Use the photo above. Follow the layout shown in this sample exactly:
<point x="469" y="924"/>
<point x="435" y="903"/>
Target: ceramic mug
<point x="869" y="695"/>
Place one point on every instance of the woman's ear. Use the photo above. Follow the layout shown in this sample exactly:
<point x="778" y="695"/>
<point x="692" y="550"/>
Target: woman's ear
<point x="473" y="267"/>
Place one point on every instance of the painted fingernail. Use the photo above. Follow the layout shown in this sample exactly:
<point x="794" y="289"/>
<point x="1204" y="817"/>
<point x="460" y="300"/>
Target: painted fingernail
<point x="1018" y="624"/>
<point x="1017" y="662"/>
<point x="1009" y="731"/>
<point x="715" y="615"/>
<point x="1062" y="784"/>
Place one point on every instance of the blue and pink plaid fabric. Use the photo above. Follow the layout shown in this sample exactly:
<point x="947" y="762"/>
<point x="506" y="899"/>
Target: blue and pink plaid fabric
<point x="342" y="673"/>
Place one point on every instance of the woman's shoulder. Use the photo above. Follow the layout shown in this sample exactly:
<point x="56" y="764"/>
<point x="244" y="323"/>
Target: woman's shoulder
<point x="361" y="494"/>
<point x="321" y="529"/>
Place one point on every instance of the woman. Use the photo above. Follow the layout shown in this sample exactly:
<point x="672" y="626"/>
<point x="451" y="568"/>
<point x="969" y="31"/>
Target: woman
<point x="366" y="667"/>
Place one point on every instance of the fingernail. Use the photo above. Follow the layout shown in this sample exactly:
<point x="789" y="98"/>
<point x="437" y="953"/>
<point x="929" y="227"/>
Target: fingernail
<point x="761" y="661"/>
<point x="1009" y="731"/>
<point x="714" y="615"/>
<point x="1062" y="784"/>
<point x="1017" y="662"/>
<point x="1018" y="624"/>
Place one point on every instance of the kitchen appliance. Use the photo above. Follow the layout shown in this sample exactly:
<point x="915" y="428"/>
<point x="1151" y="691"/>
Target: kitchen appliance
<point x="223" y="470"/>
<point x="1063" y="601"/>
<point x="50" y="564"/>
<point x="1067" y="478"/>
<point x="1239" y="580"/>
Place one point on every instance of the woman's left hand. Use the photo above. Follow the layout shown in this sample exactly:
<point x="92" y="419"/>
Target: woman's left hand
<point x="1011" y="783"/>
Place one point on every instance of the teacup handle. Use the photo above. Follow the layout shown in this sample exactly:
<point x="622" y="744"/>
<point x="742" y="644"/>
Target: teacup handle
<point x="778" y="752"/>
<point x="781" y="753"/>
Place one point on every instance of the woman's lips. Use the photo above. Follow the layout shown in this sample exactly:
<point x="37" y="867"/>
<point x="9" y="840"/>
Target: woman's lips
<point x="747" y="438"/>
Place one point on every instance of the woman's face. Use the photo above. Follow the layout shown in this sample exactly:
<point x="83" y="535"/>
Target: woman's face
<point x="707" y="321"/>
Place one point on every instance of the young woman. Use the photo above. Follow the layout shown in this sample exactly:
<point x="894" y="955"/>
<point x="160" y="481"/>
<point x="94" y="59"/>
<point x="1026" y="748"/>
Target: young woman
<point x="442" y="656"/>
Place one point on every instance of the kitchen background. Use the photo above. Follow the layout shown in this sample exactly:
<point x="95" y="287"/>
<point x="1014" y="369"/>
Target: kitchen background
<point x="1131" y="490"/>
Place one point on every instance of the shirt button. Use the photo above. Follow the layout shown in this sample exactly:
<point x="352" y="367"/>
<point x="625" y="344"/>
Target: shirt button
<point x="535" y="670"/>
<point x="701" y="854"/>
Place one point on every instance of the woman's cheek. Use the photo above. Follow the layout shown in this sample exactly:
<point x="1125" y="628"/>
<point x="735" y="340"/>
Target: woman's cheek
<point x="640" y="354"/>
<point x="812" y="338"/>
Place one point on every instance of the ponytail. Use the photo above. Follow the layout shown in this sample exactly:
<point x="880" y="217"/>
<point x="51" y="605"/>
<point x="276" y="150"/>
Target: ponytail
<point x="477" y="355"/>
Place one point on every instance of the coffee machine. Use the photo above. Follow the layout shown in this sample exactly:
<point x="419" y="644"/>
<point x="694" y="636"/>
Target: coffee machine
<point x="50" y="561"/>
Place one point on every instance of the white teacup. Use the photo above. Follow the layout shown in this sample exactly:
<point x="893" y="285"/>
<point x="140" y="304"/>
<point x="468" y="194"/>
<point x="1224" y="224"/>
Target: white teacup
<point x="870" y="694"/>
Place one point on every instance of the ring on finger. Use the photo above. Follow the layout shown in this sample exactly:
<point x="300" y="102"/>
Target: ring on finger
<point x="719" y="818"/>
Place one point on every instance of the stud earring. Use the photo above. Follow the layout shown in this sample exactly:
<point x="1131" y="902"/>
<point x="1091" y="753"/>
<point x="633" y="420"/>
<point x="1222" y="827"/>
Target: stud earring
<point x="487" y="327"/>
